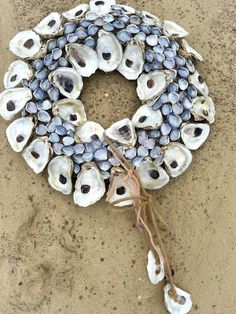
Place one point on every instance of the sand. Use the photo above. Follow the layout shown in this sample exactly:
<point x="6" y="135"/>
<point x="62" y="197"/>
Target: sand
<point x="58" y="258"/>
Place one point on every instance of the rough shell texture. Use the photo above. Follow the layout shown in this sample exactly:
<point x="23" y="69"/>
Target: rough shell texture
<point x="101" y="7"/>
<point x="156" y="270"/>
<point x="194" y="134"/>
<point x="147" y="118"/>
<point x="76" y="13"/>
<point x="189" y="51"/>
<point x="17" y="71"/>
<point x="203" y="109"/>
<point x="50" y="26"/>
<point x="199" y="83"/>
<point x="182" y="306"/>
<point x="171" y="29"/>
<point x="88" y="131"/>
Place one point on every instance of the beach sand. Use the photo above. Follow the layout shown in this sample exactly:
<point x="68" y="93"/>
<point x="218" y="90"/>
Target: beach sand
<point x="58" y="258"/>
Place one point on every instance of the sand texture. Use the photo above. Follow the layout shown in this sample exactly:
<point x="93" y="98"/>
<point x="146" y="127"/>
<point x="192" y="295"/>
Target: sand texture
<point x="58" y="258"/>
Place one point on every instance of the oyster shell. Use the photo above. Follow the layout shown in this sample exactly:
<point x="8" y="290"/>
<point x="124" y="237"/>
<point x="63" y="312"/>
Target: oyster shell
<point x="101" y="7"/>
<point x="68" y="81"/>
<point x="50" y="26"/>
<point x="109" y="51"/>
<point x="19" y="132"/>
<point x="177" y="158"/>
<point x="156" y="271"/>
<point x="152" y="176"/>
<point x="122" y="132"/>
<point x="132" y="62"/>
<point x="189" y="51"/>
<point x="17" y="71"/>
<point x="83" y="59"/>
<point x="199" y="83"/>
<point x="147" y="118"/>
<point x="13" y="100"/>
<point x="126" y="8"/>
<point x="27" y="45"/>
<point x="171" y="29"/>
<point x="203" y="109"/>
<point x="37" y="154"/>
<point x="151" y="19"/>
<point x="89" y="131"/>
<point x="59" y="174"/>
<point x="153" y="84"/>
<point x="181" y="306"/>
<point x="70" y="110"/>
<point x="76" y="13"/>
<point x="89" y="187"/>
<point x="194" y="134"/>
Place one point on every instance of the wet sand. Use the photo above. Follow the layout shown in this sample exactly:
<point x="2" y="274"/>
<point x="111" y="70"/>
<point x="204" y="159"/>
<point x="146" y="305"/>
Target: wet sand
<point x="58" y="258"/>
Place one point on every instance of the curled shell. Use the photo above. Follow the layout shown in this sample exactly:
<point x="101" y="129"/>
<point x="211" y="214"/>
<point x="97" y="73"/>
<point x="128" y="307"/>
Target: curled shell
<point x="151" y="19"/>
<point x="171" y="29"/>
<point x="83" y="59"/>
<point x="17" y="71"/>
<point x="177" y="158"/>
<point x="70" y="110"/>
<point x="89" y="187"/>
<point x="181" y="306"/>
<point x="101" y="7"/>
<point x="76" y="13"/>
<point x="68" y="81"/>
<point x="156" y="270"/>
<point x="203" y="109"/>
<point x="12" y="101"/>
<point x="89" y="131"/>
<point x="147" y="118"/>
<point x="109" y="51"/>
<point x="59" y="174"/>
<point x="37" y="154"/>
<point x="199" y="83"/>
<point x="194" y="134"/>
<point x="152" y="176"/>
<point x="50" y="26"/>
<point x="189" y="51"/>
<point x="19" y="132"/>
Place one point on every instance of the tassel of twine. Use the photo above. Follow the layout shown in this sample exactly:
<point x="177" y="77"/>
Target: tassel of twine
<point x="145" y="210"/>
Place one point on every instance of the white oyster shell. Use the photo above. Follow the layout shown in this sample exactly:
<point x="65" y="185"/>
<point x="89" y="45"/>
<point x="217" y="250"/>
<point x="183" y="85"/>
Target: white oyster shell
<point x="132" y="62"/>
<point x="89" y="187"/>
<point x="151" y="19"/>
<point x="37" y="154"/>
<point x="194" y="134"/>
<point x="177" y="158"/>
<point x="171" y="29"/>
<point x="122" y="132"/>
<point x="27" y="45"/>
<point x="68" y="81"/>
<point x="181" y="306"/>
<point x="109" y="51"/>
<point x="70" y="110"/>
<point x="83" y="59"/>
<point x="199" y="83"/>
<point x="152" y="176"/>
<point x="126" y="8"/>
<point x="189" y="51"/>
<point x="203" y="109"/>
<point x="13" y="100"/>
<point x="147" y="118"/>
<point x="59" y="174"/>
<point x="19" y="132"/>
<point x="101" y="7"/>
<point x="88" y="131"/>
<point x="50" y="26"/>
<point x="153" y="84"/>
<point x="156" y="271"/>
<point x="76" y="13"/>
<point x="17" y="71"/>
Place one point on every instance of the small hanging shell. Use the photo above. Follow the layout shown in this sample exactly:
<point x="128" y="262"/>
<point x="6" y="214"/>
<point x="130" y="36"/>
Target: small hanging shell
<point x="89" y="131"/>
<point x="199" y="83"/>
<point x="181" y="306"/>
<point x="147" y="118"/>
<point x="203" y="109"/>
<point x="194" y="134"/>
<point x="59" y="174"/>
<point x="109" y="51"/>
<point x="17" y="71"/>
<point x="171" y="29"/>
<point x="156" y="270"/>
<point x="122" y="132"/>
<point x="152" y="176"/>
<point x="37" y="154"/>
<point x="177" y="158"/>
<point x="101" y="7"/>
<point x="77" y="13"/>
<point x="50" y="26"/>
<point x="70" y="110"/>
<point x="27" y="45"/>
<point x="89" y="187"/>
<point x="133" y="61"/>
<point x="121" y="186"/>
<point x="189" y="51"/>
<point x="68" y="81"/>
<point x="153" y="84"/>
<point x="83" y="59"/>
<point x="19" y="132"/>
<point x="13" y="100"/>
